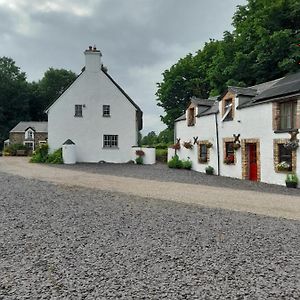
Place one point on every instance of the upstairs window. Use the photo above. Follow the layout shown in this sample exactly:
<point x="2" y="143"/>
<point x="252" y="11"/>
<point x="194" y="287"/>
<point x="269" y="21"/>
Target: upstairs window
<point x="110" y="141"/>
<point x="78" y="110"/>
<point x="191" y="116"/>
<point x="106" y="110"/>
<point x="228" y="110"/>
<point x="29" y="135"/>
<point x="287" y="115"/>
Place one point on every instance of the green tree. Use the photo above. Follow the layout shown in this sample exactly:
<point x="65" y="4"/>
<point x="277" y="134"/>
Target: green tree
<point x="14" y="97"/>
<point x="262" y="47"/>
<point x="150" y="139"/>
<point x="48" y="89"/>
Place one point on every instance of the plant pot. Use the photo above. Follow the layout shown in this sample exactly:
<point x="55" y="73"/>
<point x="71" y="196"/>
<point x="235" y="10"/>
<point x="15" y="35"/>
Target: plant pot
<point x="290" y="184"/>
<point x="209" y="172"/>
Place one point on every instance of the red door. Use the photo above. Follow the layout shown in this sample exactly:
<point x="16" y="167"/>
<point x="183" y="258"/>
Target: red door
<point x="252" y="162"/>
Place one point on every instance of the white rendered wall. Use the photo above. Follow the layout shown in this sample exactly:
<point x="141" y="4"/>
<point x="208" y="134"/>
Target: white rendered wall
<point x="251" y="123"/>
<point x="93" y="89"/>
<point x="149" y="158"/>
<point x="204" y="129"/>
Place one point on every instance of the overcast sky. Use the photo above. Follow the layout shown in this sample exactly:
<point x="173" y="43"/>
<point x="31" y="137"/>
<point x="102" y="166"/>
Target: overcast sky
<point x="139" y="39"/>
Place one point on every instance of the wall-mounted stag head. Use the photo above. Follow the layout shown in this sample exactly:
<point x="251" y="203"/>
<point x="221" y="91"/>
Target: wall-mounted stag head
<point x="195" y="140"/>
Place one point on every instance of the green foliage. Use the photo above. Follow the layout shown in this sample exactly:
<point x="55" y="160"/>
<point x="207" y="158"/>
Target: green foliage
<point x="161" y="155"/>
<point x="175" y="163"/>
<point x="262" y="47"/>
<point x="12" y="149"/>
<point x="14" y="97"/>
<point x="150" y="139"/>
<point x="292" y="178"/>
<point x="187" y="164"/>
<point x="40" y="155"/>
<point x="55" y="157"/>
<point x="139" y="160"/>
<point x="209" y="170"/>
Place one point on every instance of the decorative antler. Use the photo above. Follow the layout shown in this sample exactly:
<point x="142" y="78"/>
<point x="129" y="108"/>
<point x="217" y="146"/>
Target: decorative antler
<point x="294" y="135"/>
<point x="178" y="141"/>
<point x="236" y="138"/>
<point x="195" y="140"/>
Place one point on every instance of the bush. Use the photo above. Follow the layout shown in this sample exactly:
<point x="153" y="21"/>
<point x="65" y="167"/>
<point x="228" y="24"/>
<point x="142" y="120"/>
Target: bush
<point x="175" y="163"/>
<point x="187" y="164"/>
<point x="161" y="155"/>
<point x="12" y="149"/>
<point x="209" y="170"/>
<point x="292" y="178"/>
<point x="139" y="160"/>
<point x="161" y="146"/>
<point x="55" y="157"/>
<point x="40" y="155"/>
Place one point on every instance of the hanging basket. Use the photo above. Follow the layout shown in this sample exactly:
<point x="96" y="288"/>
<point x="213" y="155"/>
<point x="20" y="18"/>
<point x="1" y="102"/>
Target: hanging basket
<point x="209" y="145"/>
<point x="236" y="146"/>
<point x="291" y="145"/>
<point x="188" y="145"/>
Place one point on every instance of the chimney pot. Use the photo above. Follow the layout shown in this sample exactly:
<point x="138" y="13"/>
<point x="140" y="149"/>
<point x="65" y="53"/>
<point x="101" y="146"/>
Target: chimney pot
<point x="90" y="48"/>
<point x="94" y="49"/>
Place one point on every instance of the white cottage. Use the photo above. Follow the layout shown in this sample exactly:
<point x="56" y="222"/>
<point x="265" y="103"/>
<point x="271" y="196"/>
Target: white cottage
<point x="248" y="133"/>
<point x="96" y="114"/>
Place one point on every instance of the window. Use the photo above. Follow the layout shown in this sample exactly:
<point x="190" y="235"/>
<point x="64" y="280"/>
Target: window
<point x="191" y="116"/>
<point x="229" y="153"/>
<point x="228" y="114"/>
<point x="285" y="157"/>
<point x="288" y="115"/>
<point x="29" y="145"/>
<point x="203" y="155"/>
<point x="110" y="141"/>
<point x="78" y="110"/>
<point x="29" y="135"/>
<point x="106" y="110"/>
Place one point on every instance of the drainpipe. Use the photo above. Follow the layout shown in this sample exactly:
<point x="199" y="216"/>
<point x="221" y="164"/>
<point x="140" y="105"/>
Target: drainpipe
<point x="218" y="147"/>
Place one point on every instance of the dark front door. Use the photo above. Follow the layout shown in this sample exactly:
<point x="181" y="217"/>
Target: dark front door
<point x="252" y="161"/>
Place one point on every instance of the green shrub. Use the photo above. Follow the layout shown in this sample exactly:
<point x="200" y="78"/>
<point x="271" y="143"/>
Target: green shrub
<point x="292" y="178"/>
<point x="187" y="164"/>
<point x="161" y="155"/>
<point x="175" y="163"/>
<point x="139" y="160"/>
<point x="55" y="157"/>
<point x="40" y="155"/>
<point x="161" y="146"/>
<point x="12" y="149"/>
<point x="209" y="170"/>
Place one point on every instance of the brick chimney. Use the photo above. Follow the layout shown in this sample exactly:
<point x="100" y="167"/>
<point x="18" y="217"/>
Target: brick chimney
<point x="92" y="59"/>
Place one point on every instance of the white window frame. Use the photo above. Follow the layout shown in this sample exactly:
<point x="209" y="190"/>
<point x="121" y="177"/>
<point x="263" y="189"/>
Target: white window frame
<point x="228" y="109"/>
<point x="29" y="142"/>
<point x="106" y="110"/>
<point x="110" y="141"/>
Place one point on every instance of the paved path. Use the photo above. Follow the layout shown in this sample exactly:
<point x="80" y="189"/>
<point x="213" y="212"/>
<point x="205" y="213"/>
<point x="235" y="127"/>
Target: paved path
<point x="215" y="197"/>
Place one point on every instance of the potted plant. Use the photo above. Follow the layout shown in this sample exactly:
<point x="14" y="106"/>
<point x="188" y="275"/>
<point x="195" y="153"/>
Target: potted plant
<point x="188" y="145"/>
<point x="291" y="145"/>
<point x="209" y="170"/>
<point x="291" y="180"/>
<point x="229" y="160"/>
<point x="283" y="166"/>
<point x="209" y="145"/>
<point x="236" y="146"/>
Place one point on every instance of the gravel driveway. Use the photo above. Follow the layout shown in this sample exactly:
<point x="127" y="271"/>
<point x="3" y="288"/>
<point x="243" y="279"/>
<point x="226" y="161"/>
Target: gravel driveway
<point x="59" y="242"/>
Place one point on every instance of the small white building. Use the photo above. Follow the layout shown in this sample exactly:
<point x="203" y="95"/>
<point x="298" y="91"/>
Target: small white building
<point x="96" y="114"/>
<point x="248" y="133"/>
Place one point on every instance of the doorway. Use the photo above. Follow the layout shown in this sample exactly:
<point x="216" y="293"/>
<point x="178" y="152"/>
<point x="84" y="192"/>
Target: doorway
<point x="252" y="162"/>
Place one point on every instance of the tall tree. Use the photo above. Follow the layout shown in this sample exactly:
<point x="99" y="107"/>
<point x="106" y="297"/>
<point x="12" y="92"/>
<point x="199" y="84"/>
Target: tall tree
<point x="49" y="88"/>
<point x="262" y="47"/>
<point x="14" y="96"/>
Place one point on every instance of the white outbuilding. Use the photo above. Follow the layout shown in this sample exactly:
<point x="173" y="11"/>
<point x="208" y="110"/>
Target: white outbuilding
<point x="96" y="114"/>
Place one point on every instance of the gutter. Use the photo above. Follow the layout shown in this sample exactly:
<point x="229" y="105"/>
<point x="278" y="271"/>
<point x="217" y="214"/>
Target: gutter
<point x="218" y="146"/>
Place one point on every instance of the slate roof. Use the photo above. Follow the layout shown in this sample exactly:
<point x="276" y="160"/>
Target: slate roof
<point x="181" y="118"/>
<point x="289" y="84"/>
<point x="36" y="126"/>
<point x="243" y="91"/>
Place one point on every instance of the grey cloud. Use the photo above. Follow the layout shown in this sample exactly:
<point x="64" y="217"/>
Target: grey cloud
<point x="139" y="39"/>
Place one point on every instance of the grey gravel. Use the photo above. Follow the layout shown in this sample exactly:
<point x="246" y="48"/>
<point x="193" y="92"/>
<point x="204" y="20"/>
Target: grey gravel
<point x="73" y="243"/>
<point x="161" y="172"/>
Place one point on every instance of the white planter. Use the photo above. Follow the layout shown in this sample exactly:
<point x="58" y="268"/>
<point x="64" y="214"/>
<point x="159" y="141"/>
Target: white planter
<point x="149" y="158"/>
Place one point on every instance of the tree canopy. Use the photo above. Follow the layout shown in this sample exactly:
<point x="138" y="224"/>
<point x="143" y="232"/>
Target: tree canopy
<point x="262" y="47"/>
<point x="24" y="101"/>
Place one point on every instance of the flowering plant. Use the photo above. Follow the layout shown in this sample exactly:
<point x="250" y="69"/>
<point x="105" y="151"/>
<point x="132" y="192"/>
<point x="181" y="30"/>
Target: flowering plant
<point x="176" y="146"/>
<point x="188" y="145"/>
<point x="139" y="153"/>
<point x="228" y="160"/>
<point x="283" y="166"/>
